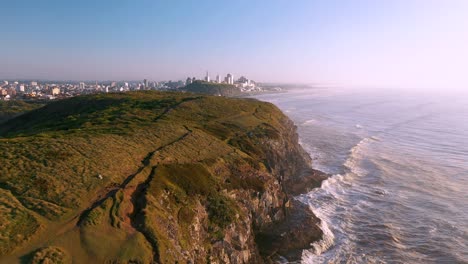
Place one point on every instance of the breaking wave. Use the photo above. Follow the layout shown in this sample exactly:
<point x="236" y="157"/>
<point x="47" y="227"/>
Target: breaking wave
<point x="395" y="197"/>
<point x="325" y="201"/>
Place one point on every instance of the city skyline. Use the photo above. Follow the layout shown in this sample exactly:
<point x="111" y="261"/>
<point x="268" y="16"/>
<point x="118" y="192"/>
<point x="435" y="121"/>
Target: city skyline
<point x="198" y="77"/>
<point x="51" y="90"/>
<point x="356" y="43"/>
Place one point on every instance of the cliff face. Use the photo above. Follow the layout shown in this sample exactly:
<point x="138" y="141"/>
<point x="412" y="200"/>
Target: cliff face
<point x="154" y="178"/>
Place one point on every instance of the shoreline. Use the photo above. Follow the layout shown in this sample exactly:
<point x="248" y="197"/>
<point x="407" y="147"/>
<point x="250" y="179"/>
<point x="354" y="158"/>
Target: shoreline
<point x="302" y="228"/>
<point x="302" y="223"/>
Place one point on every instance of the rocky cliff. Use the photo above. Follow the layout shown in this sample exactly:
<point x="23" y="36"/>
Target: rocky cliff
<point x="151" y="177"/>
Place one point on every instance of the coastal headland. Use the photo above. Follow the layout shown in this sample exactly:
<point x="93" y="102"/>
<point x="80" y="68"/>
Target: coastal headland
<point x="154" y="177"/>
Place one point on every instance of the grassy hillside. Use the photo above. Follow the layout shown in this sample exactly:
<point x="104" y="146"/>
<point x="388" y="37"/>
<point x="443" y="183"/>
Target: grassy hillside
<point x="10" y="109"/>
<point x="212" y="88"/>
<point x="131" y="177"/>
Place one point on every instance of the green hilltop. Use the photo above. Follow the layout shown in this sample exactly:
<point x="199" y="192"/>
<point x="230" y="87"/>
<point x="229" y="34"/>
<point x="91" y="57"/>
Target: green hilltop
<point x="139" y="177"/>
<point x="210" y="88"/>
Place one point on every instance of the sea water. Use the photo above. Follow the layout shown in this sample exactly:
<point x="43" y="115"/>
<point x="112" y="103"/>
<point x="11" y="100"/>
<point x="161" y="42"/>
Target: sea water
<point x="399" y="164"/>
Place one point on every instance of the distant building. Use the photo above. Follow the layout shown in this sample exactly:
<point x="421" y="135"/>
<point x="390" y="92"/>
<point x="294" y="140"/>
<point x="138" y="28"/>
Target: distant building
<point x="207" y="77"/>
<point x="242" y="79"/>
<point x="55" y="91"/>
<point x="33" y="83"/>
<point x="11" y="91"/>
<point x="218" y="78"/>
<point x="145" y="83"/>
<point x="229" y="79"/>
<point x="82" y="85"/>
<point x="113" y="84"/>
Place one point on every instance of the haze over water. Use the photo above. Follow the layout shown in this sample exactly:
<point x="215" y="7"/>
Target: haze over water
<point x="399" y="162"/>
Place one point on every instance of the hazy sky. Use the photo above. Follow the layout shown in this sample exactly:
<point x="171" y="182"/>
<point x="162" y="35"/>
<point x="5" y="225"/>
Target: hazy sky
<point x="410" y="43"/>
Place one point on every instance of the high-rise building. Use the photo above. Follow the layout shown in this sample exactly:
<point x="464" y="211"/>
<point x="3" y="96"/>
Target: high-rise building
<point x="82" y="85"/>
<point x="218" y="78"/>
<point x="229" y="79"/>
<point x="207" y="77"/>
<point x="145" y="82"/>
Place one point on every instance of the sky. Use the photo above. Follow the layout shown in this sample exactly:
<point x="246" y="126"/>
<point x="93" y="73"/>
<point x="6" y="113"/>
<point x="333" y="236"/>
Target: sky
<point x="391" y="43"/>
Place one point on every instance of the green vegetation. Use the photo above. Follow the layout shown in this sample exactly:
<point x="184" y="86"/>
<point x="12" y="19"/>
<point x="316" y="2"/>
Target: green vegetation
<point x="182" y="179"/>
<point x="10" y="109"/>
<point x="221" y="210"/>
<point x="54" y="255"/>
<point x="127" y="176"/>
<point x="212" y="88"/>
<point x="16" y="222"/>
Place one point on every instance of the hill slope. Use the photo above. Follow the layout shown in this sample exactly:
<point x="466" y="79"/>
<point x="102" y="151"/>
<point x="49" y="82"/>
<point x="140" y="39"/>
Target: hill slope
<point x="10" y="109"/>
<point x="148" y="177"/>
<point x="212" y="88"/>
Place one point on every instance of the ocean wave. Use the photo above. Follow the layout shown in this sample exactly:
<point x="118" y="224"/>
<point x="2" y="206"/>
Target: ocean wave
<point x="328" y="239"/>
<point x="325" y="201"/>
<point x="355" y="156"/>
<point x="310" y="121"/>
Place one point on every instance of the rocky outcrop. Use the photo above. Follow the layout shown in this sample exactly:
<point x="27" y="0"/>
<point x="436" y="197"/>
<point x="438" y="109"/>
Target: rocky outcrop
<point x="294" y="226"/>
<point x="267" y="221"/>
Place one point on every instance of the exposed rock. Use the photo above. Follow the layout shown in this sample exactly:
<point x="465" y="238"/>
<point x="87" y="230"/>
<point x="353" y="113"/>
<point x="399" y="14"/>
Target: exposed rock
<point x="51" y="255"/>
<point x="289" y="237"/>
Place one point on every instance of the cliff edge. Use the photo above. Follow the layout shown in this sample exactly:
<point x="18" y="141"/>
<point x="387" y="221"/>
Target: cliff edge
<point x="152" y="177"/>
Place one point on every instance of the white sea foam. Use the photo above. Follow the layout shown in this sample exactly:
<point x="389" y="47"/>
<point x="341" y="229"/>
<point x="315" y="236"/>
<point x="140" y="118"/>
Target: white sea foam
<point x="310" y="121"/>
<point x="328" y="238"/>
<point x="399" y="198"/>
<point x="325" y="201"/>
<point x="356" y="153"/>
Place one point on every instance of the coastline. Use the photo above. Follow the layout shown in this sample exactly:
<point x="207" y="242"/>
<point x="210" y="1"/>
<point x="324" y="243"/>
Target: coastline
<point x="376" y="164"/>
<point x="267" y="155"/>
<point x="302" y="229"/>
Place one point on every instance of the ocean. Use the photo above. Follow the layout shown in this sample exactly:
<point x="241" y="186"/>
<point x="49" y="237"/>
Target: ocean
<point x="399" y="164"/>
